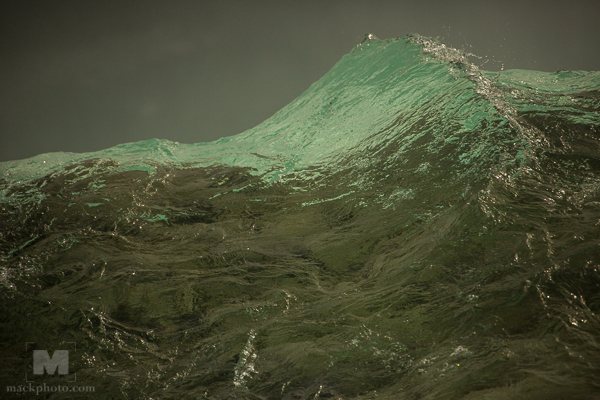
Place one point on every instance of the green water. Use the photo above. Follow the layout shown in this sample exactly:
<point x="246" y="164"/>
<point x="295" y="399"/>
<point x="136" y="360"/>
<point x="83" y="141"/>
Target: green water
<point x="410" y="227"/>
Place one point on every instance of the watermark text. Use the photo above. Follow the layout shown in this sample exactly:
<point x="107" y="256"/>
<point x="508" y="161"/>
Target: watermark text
<point x="43" y="388"/>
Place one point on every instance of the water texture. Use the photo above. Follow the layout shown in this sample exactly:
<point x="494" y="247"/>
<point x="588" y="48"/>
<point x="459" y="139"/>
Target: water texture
<point x="410" y="227"/>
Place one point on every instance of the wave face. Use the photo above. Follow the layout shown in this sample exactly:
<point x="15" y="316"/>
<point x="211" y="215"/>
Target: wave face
<point x="410" y="227"/>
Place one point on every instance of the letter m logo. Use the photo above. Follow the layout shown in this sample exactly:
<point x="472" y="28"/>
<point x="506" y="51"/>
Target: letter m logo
<point x="59" y="360"/>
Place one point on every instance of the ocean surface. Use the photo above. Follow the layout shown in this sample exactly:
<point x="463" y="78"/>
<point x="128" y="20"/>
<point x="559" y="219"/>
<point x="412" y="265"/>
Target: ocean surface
<point x="410" y="227"/>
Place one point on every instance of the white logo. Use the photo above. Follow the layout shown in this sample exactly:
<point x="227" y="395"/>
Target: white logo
<point x="43" y="363"/>
<point x="59" y="360"/>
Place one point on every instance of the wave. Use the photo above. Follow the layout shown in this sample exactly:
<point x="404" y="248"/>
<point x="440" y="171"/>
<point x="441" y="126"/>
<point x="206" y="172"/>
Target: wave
<point x="410" y="225"/>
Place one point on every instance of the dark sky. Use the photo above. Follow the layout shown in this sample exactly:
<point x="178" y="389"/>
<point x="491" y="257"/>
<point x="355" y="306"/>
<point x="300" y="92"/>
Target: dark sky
<point x="86" y="75"/>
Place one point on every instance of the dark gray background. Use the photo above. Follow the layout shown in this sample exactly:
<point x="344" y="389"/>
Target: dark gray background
<point x="86" y="75"/>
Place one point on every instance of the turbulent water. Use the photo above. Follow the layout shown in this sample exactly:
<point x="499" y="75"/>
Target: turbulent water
<point x="410" y="227"/>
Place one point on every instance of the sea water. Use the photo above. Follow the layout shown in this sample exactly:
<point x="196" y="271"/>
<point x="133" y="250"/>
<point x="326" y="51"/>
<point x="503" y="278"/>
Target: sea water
<point x="410" y="227"/>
